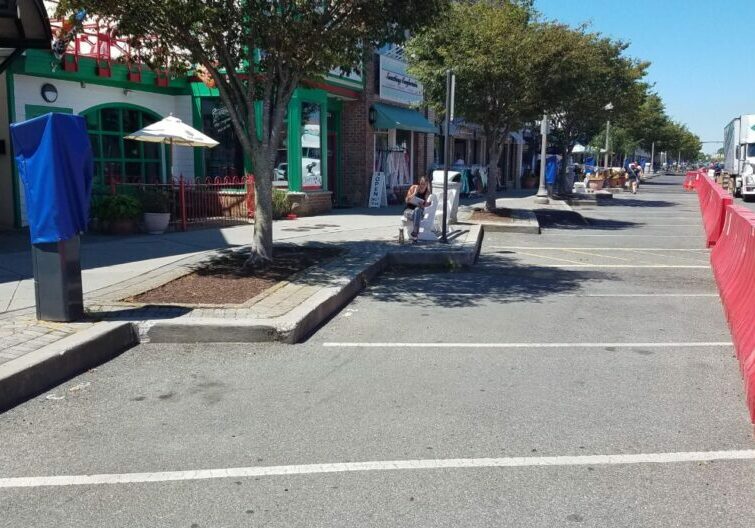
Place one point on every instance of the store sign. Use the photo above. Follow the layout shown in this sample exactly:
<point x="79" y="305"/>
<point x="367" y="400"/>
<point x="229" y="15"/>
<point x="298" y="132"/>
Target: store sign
<point x="378" y="196"/>
<point x="396" y="85"/>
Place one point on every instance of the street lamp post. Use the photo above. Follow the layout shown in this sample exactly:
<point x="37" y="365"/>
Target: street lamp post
<point x="607" y="108"/>
<point x="450" y="81"/>
<point x="542" y="192"/>
<point x="652" y="159"/>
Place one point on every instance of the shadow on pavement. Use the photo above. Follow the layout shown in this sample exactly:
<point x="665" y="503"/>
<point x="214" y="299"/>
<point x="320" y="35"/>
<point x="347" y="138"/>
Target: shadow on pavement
<point x="498" y="278"/>
<point x="571" y="220"/>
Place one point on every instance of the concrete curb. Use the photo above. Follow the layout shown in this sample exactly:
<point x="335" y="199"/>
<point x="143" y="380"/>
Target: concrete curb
<point x="36" y="372"/>
<point x="304" y="319"/>
<point x="524" y="222"/>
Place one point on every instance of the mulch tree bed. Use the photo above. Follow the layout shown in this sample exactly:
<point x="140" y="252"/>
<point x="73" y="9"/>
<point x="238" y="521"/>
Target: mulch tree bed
<point x="499" y="216"/>
<point x="222" y="280"/>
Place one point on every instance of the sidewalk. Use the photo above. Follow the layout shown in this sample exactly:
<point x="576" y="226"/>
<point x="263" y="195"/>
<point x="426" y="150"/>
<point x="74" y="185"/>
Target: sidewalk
<point x="115" y="268"/>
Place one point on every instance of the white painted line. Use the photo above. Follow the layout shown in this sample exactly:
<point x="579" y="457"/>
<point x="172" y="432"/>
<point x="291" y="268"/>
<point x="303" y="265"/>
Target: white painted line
<point x="711" y="344"/>
<point x="378" y="293"/>
<point x="624" y="266"/>
<point x="533" y="248"/>
<point x="388" y="465"/>
<point x="619" y="235"/>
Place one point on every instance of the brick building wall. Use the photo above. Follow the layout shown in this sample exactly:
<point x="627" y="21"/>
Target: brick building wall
<point x="358" y="144"/>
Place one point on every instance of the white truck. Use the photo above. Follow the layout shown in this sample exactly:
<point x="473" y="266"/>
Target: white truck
<point x="739" y="155"/>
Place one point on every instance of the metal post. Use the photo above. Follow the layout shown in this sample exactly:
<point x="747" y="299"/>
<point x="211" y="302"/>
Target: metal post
<point x="182" y="201"/>
<point x="446" y="158"/>
<point x="652" y="159"/>
<point x="542" y="192"/>
<point x="608" y="135"/>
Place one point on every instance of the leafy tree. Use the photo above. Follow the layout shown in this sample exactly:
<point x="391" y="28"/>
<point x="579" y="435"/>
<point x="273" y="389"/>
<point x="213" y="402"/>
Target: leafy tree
<point x="257" y="52"/>
<point x="493" y="49"/>
<point x="589" y="73"/>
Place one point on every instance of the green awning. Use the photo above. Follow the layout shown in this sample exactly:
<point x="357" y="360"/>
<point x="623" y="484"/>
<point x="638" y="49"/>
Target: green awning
<point x="387" y="116"/>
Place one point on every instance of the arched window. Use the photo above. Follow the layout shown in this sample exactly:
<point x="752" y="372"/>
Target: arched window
<point x="115" y="157"/>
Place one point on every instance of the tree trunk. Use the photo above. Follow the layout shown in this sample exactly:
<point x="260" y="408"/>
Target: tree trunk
<point x="262" y="243"/>
<point x="494" y="157"/>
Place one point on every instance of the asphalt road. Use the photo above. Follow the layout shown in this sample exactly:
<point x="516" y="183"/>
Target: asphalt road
<point x="479" y="398"/>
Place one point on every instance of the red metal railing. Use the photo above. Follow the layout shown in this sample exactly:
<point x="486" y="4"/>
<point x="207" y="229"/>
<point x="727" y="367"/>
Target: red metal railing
<point x="208" y="202"/>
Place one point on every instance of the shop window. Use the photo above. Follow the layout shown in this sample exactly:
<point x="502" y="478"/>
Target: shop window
<point x="227" y="159"/>
<point x="118" y="158"/>
<point x="280" y="172"/>
<point x="311" y="147"/>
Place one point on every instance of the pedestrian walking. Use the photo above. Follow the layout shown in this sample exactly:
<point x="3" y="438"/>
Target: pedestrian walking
<point x="634" y="176"/>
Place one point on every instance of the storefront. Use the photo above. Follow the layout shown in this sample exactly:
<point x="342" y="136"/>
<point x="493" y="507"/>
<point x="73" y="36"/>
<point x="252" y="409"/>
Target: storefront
<point x="402" y="136"/>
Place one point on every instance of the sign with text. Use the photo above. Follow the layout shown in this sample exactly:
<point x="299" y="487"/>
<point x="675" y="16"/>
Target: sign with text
<point x="378" y="197"/>
<point x="396" y="85"/>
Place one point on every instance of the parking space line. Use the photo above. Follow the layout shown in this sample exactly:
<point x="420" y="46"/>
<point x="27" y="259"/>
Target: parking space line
<point x="592" y="248"/>
<point x="694" y="344"/>
<point x="387" y="465"/>
<point x="624" y="266"/>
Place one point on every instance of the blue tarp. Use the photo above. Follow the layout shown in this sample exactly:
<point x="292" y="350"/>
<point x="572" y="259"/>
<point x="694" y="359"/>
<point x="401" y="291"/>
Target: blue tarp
<point x="551" y="170"/>
<point x="54" y="159"/>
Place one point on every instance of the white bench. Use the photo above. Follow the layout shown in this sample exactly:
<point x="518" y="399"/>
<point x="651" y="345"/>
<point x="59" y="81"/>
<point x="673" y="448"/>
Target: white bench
<point x="426" y="226"/>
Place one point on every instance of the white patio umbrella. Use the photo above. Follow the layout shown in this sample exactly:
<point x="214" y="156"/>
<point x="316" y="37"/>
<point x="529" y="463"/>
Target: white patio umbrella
<point x="172" y="131"/>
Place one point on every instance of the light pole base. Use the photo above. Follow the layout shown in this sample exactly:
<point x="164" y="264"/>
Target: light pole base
<point x="541" y="199"/>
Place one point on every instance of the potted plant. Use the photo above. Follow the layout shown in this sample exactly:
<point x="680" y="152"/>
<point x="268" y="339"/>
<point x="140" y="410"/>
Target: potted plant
<point x="156" y="207"/>
<point x="595" y="181"/>
<point x="119" y="213"/>
<point x="281" y="204"/>
<point x="528" y="180"/>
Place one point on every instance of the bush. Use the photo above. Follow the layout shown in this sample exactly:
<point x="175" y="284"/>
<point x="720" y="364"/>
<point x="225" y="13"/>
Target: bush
<point x="281" y="205"/>
<point x="155" y="202"/>
<point x="120" y="207"/>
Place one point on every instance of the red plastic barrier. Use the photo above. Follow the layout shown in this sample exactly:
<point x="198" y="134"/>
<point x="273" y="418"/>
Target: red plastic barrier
<point x="690" y="180"/>
<point x="733" y="260"/>
<point x="713" y="201"/>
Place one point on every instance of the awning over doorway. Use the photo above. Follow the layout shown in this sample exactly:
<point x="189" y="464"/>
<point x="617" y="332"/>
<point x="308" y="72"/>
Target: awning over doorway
<point x="23" y="25"/>
<point x="387" y="116"/>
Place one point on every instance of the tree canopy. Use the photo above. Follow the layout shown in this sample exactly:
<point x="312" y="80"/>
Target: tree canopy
<point x="257" y="52"/>
<point x="495" y="50"/>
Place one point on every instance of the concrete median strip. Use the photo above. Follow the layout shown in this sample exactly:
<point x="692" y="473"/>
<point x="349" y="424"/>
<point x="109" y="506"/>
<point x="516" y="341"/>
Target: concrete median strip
<point x="42" y="369"/>
<point x="335" y="286"/>
<point x="388" y="465"/>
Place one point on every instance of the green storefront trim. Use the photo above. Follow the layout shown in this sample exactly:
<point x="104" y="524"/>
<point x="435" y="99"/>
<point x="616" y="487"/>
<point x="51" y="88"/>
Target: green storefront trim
<point x="39" y="63"/>
<point x="301" y="96"/>
<point x="33" y="111"/>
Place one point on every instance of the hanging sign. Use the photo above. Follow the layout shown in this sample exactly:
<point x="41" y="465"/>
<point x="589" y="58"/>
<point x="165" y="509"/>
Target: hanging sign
<point x="378" y="197"/>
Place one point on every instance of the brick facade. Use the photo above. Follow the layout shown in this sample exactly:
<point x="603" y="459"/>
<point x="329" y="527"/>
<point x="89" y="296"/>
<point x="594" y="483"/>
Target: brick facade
<point x="311" y="203"/>
<point x="358" y="144"/>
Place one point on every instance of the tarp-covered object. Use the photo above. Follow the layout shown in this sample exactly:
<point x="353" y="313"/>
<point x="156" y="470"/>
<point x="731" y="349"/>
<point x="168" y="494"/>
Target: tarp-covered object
<point x="54" y="159"/>
<point x="551" y="169"/>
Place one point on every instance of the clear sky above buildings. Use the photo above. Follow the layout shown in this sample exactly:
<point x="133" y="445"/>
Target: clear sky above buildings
<point x="703" y="52"/>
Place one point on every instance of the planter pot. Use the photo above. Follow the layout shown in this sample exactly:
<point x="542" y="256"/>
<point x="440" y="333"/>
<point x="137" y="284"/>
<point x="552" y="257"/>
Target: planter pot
<point x="122" y="227"/>
<point x="595" y="185"/>
<point x="156" y="223"/>
<point x="529" y="183"/>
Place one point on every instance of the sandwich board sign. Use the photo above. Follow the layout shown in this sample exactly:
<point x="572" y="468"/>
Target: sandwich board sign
<point x="378" y="197"/>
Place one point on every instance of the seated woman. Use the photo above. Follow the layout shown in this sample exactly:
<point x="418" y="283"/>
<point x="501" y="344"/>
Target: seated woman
<point x="417" y="199"/>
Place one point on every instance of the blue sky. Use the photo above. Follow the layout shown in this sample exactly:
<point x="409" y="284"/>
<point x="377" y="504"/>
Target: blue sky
<point x="703" y="52"/>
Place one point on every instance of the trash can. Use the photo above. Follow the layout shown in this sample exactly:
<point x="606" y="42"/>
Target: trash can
<point x="54" y="160"/>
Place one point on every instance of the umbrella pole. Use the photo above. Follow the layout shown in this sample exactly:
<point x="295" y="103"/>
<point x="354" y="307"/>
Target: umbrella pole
<point x="164" y="157"/>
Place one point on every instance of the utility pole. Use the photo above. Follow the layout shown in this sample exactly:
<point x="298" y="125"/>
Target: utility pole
<point x="542" y="192"/>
